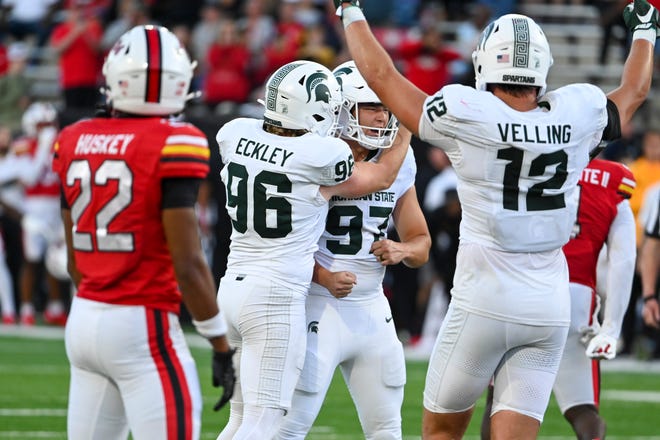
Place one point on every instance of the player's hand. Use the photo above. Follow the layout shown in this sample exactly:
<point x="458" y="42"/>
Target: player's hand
<point x="588" y="332"/>
<point x="601" y="346"/>
<point x="340" y="284"/>
<point x="223" y="375"/>
<point x="651" y="313"/>
<point x="340" y="4"/>
<point x="388" y="251"/>
<point x="640" y="15"/>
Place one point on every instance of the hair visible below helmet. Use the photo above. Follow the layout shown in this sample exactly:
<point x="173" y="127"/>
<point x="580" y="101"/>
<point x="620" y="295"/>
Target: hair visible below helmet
<point x="355" y="91"/>
<point x="512" y="50"/>
<point x="303" y="95"/>
<point x="38" y="113"/>
<point x="148" y="72"/>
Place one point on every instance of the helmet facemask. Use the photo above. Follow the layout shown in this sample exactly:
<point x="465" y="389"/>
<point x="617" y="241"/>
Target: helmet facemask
<point x="356" y="92"/>
<point x="382" y="137"/>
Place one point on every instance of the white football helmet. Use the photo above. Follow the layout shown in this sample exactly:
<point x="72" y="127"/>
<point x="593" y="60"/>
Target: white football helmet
<point x="512" y="50"/>
<point x="355" y="91"/>
<point x="38" y="113"/>
<point x="148" y="72"/>
<point x="303" y="95"/>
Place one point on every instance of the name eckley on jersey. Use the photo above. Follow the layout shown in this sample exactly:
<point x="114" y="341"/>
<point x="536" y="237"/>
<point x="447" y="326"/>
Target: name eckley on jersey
<point x="263" y="152"/>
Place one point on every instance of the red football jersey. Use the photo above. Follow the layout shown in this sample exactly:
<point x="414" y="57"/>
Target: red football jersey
<point x="603" y="185"/>
<point x="111" y="172"/>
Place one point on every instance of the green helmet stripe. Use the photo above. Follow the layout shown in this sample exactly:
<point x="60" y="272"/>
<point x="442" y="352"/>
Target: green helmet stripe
<point x="274" y="84"/>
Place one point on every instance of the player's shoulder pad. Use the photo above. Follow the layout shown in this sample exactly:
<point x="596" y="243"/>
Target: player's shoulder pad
<point x="329" y="161"/>
<point x="581" y="96"/>
<point x="622" y="181"/>
<point x="456" y="99"/>
<point x="232" y="131"/>
<point x="185" y="152"/>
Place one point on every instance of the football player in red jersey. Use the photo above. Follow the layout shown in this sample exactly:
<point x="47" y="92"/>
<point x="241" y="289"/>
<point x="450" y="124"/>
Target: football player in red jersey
<point x="604" y="221"/>
<point x="129" y="185"/>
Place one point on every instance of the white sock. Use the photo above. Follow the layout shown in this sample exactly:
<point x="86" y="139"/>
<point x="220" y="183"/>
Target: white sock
<point x="55" y="307"/>
<point x="27" y="309"/>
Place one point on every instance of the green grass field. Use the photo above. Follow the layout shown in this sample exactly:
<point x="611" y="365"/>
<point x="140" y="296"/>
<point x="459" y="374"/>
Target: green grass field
<point x="34" y="379"/>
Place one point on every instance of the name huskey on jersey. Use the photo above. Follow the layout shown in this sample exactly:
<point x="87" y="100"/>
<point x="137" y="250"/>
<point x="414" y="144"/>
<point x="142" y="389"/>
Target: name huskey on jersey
<point x="262" y="152"/>
<point x="537" y="134"/>
<point x="103" y="143"/>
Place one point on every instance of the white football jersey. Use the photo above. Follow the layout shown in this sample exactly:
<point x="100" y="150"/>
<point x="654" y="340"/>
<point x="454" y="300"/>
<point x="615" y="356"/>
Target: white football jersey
<point x="352" y="227"/>
<point x="517" y="171"/>
<point x="272" y="185"/>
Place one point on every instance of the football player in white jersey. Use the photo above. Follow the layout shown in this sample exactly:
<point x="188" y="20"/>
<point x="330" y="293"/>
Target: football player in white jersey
<point x="518" y="153"/>
<point x="649" y="260"/>
<point x="279" y="174"/>
<point x="349" y="321"/>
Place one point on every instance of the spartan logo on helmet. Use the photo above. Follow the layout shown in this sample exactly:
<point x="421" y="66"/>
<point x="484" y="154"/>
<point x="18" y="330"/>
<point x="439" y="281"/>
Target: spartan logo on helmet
<point x="303" y="95"/>
<point x="484" y="36"/>
<point x="340" y="72"/>
<point x="313" y="327"/>
<point x="316" y="84"/>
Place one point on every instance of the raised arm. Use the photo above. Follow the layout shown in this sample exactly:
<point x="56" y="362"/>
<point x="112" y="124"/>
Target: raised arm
<point x="402" y="97"/>
<point x="369" y="177"/>
<point x="642" y="19"/>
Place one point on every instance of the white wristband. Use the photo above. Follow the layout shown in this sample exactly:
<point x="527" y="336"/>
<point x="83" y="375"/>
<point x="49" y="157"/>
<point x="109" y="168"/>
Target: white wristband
<point x="212" y="327"/>
<point x="351" y="14"/>
<point x="649" y="35"/>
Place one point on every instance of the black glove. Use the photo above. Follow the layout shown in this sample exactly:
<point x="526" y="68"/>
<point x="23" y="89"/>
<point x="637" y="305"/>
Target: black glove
<point x="223" y="376"/>
<point x="339" y="5"/>
<point x="641" y="15"/>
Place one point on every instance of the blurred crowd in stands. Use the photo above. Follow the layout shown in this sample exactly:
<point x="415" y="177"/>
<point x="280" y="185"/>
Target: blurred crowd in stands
<point x="52" y="51"/>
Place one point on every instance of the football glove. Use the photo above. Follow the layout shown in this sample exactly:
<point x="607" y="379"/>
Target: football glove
<point x="601" y="346"/>
<point x="588" y="332"/>
<point x="640" y="15"/>
<point x="340" y="5"/>
<point x="223" y="376"/>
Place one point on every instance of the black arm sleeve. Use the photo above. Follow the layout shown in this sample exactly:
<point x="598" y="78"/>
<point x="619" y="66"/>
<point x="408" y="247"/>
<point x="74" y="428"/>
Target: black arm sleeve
<point x="613" y="129"/>
<point x="179" y="192"/>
